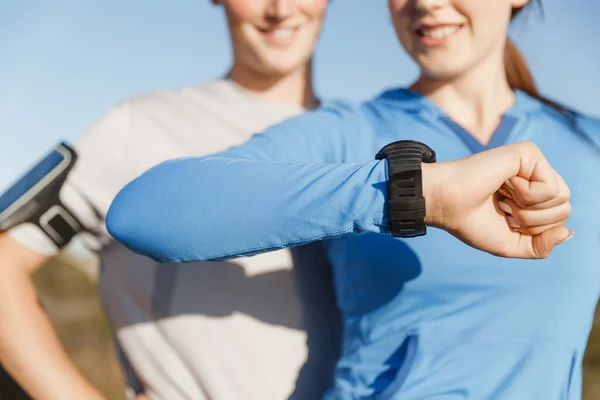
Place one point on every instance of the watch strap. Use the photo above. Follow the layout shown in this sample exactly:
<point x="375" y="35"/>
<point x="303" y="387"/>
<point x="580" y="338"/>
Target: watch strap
<point x="405" y="186"/>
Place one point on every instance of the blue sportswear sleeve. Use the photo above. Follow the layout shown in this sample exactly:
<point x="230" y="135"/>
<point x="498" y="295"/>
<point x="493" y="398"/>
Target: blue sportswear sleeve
<point x="285" y="187"/>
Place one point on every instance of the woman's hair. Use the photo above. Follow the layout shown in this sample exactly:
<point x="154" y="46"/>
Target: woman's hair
<point x="518" y="74"/>
<point x="519" y="77"/>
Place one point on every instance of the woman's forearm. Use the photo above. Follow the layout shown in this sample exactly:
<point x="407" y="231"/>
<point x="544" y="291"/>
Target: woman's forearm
<point x="215" y="208"/>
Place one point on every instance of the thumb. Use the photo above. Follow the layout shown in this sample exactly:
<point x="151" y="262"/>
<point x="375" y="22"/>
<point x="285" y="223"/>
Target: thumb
<point x="543" y="244"/>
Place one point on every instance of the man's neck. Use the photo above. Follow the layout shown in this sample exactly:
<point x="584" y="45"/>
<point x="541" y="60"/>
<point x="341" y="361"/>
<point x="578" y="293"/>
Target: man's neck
<point x="294" y="88"/>
<point x="476" y="100"/>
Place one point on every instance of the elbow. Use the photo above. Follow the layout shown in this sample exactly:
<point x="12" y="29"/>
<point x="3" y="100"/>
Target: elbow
<point x="134" y="220"/>
<point x="125" y="219"/>
<point x="172" y="212"/>
<point x="146" y="217"/>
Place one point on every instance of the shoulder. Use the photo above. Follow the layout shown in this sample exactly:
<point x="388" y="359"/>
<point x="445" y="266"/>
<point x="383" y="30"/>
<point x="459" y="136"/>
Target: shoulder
<point x="400" y="112"/>
<point x="174" y="102"/>
<point x="402" y="103"/>
<point x="141" y="114"/>
<point x="174" y="98"/>
<point x="331" y="113"/>
<point x="572" y="120"/>
<point x="590" y="124"/>
<point x="568" y="123"/>
<point x="554" y="112"/>
<point x="399" y="100"/>
<point x="369" y="112"/>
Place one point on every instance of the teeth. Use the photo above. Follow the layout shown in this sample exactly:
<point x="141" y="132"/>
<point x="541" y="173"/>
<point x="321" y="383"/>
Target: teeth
<point x="282" y="33"/>
<point x="440" y="33"/>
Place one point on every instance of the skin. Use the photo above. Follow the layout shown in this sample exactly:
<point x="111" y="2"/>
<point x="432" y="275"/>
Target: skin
<point x="542" y="207"/>
<point x="272" y="68"/>
<point x="462" y="71"/>
<point x="469" y="85"/>
<point x="465" y="74"/>
<point x="273" y="43"/>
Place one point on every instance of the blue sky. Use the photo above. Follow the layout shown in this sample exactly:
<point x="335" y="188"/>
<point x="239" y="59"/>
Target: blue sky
<point x="65" y="62"/>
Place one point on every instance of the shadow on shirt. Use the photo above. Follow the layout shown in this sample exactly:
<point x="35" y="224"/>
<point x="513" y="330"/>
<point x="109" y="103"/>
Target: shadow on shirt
<point x="302" y="298"/>
<point x="271" y="297"/>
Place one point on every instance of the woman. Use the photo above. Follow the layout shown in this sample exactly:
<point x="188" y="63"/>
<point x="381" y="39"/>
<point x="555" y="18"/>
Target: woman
<point x="177" y="336"/>
<point x="428" y="317"/>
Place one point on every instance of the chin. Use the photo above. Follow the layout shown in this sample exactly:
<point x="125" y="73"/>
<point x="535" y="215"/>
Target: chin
<point x="440" y="71"/>
<point x="282" y="65"/>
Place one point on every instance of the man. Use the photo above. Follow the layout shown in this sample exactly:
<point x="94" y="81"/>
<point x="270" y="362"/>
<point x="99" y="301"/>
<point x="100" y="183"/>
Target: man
<point x="234" y="330"/>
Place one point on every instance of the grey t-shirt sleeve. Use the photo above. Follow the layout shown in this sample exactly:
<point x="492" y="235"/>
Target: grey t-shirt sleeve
<point x="102" y="169"/>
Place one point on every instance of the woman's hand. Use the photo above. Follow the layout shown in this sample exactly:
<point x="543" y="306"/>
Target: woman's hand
<point x="526" y="222"/>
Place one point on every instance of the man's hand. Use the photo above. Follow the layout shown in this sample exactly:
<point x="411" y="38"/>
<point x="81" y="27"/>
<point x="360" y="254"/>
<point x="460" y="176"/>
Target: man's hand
<point x="462" y="198"/>
<point x="30" y="350"/>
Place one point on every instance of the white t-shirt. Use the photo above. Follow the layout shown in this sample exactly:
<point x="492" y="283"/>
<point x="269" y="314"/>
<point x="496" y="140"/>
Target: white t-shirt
<point x="230" y="330"/>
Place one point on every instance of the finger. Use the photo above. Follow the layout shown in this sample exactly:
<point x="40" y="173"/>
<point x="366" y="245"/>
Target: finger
<point x="505" y="190"/>
<point x="536" y="182"/>
<point x="543" y="244"/>
<point x="533" y="182"/>
<point x="489" y="169"/>
<point x="564" y="194"/>
<point x="530" y="218"/>
<point x="532" y="193"/>
<point x="536" y="230"/>
<point x="535" y="247"/>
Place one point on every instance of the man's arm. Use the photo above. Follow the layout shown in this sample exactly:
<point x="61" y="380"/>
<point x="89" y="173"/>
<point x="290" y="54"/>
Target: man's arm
<point x="29" y="347"/>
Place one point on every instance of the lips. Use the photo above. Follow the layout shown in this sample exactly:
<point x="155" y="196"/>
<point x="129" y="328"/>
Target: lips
<point x="279" y="36"/>
<point x="438" y="32"/>
<point x="436" y="35"/>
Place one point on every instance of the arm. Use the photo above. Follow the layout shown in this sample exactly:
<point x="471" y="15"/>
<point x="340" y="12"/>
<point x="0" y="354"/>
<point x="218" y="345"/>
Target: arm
<point x="215" y="208"/>
<point x="236" y="204"/>
<point x="29" y="347"/>
<point x="286" y="187"/>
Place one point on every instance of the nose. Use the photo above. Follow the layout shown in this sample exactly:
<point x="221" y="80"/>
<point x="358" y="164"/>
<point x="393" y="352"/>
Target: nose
<point x="280" y="9"/>
<point x="424" y="5"/>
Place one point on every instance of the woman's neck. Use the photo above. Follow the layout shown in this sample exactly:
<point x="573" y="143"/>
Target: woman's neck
<point x="475" y="100"/>
<point x="294" y="88"/>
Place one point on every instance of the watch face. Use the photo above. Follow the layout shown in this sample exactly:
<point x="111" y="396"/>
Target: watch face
<point x="34" y="181"/>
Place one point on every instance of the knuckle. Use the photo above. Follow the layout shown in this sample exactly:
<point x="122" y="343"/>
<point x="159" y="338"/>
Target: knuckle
<point x="539" y="194"/>
<point x="566" y="193"/>
<point x="531" y="147"/>
<point x="552" y="191"/>
<point x="529" y="199"/>
<point x="567" y="208"/>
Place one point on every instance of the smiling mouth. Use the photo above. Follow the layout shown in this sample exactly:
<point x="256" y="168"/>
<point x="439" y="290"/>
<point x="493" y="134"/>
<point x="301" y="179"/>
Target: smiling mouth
<point x="438" y="31"/>
<point x="279" y="36"/>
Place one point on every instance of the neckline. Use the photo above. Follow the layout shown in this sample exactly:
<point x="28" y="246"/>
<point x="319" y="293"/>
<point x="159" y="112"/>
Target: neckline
<point x="415" y="102"/>
<point x="411" y="100"/>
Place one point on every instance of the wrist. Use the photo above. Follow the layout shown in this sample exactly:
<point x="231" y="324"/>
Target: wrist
<point x="432" y="181"/>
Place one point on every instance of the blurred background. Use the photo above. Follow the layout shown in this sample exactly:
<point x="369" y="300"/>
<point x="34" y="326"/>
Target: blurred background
<point x="65" y="62"/>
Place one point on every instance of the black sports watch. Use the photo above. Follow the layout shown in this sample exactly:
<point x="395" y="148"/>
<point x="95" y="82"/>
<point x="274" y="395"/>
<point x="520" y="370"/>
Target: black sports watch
<point x="405" y="186"/>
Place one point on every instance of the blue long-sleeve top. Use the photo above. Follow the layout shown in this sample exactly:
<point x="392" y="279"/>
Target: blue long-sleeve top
<point x="424" y="318"/>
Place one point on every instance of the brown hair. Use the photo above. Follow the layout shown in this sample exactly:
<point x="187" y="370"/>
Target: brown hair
<point x="518" y="74"/>
<point x="519" y="77"/>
